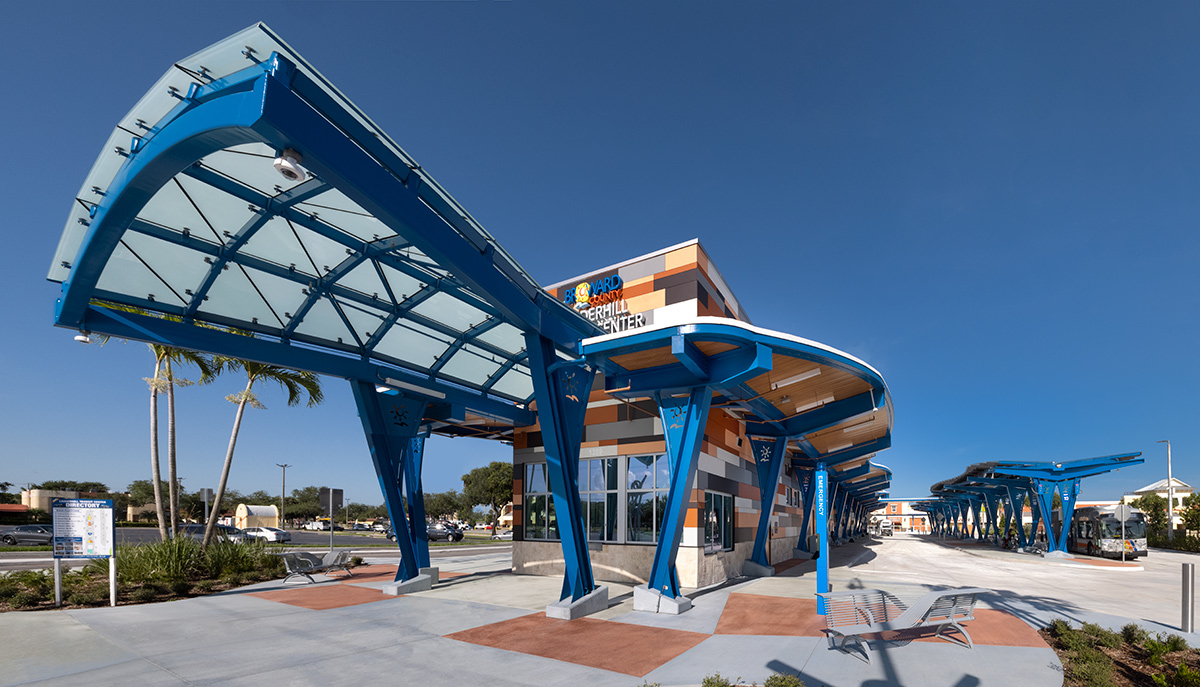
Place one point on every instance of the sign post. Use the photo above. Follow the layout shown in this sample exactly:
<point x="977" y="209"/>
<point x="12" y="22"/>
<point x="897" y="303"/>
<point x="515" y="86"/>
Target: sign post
<point x="1122" y="513"/>
<point x="83" y="528"/>
<point x="331" y="500"/>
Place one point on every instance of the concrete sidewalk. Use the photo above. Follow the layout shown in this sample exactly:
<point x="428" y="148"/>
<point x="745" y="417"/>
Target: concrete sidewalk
<point x="483" y="625"/>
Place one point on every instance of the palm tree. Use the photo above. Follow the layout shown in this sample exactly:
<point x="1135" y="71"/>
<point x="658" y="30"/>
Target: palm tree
<point x="164" y="379"/>
<point x="297" y="383"/>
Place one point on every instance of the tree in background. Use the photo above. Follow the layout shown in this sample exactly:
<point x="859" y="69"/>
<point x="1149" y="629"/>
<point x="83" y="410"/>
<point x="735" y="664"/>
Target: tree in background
<point x="71" y="485"/>
<point x="443" y="505"/>
<point x="6" y="497"/>
<point x="491" y="486"/>
<point x="164" y="379"/>
<point x="297" y="384"/>
<point x="1191" y="511"/>
<point x="1155" y="509"/>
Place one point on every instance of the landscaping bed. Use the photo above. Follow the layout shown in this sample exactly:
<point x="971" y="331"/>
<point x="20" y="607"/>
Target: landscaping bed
<point x="147" y="573"/>
<point x="1093" y="656"/>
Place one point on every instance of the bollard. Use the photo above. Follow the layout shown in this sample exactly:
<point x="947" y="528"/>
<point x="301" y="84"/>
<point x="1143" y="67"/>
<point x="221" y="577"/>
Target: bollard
<point x="1188" y="621"/>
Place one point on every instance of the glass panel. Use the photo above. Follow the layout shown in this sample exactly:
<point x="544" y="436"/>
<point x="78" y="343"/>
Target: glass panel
<point x="535" y="477"/>
<point x="365" y="280"/>
<point x="535" y="517"/>
<point x="180" y="267"/>
<point x="639" y="475"/>
<point x="450" y="311"/>
<point x="402" y="285"/>
<point x="125" y="274"/>
<point x="583" y="475"/>
<point x="276" y="242"/>
<point x="727" y="531"/>
<point x="251" y="164"/>
<point x="335" y="208"/>
<point x="660" y="509"/>
<point x="505" y="336"/>
<point x="596" y="518"/>
<point x="596" y="470"/>
<point x="404" y="342"/>
<point x="662" y="471"/>
<point x="232" y="295"/>
<point x="640" y="525"/>
<point x="365" y="321"/>
<point x="610" y="517"/>
<point x="710" y="522"/>
<point x="516" y="383"/>
<point x="223" y="212"/>
<point x="325" y="253"/>
<point x="551" y="520"/>
<point x="471" y="365"/>
<point x="170" y="208"/>
<point x="285" y="296"/>
<point x="322" y="321"/>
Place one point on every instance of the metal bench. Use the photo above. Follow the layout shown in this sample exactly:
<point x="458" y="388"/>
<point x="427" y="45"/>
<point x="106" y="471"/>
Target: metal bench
<point x="852" y="614"/>
<point x="304" y="564"/>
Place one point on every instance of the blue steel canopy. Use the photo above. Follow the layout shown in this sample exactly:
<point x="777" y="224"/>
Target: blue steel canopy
<point x="364" y="268"/>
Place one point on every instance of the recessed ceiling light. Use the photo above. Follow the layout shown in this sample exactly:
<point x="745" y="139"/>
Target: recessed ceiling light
<point x="798" y="378"/>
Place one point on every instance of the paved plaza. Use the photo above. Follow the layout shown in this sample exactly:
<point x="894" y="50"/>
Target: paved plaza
<point x="483" y="625"/>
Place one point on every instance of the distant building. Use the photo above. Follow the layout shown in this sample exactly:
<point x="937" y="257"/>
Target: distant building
<point x="903" y="517"/>
<point x="1182" y="491"/>
<point x="255" y="516"/>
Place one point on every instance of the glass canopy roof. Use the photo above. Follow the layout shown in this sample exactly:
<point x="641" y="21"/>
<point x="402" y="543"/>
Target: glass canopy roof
<point x="231" y="242"/>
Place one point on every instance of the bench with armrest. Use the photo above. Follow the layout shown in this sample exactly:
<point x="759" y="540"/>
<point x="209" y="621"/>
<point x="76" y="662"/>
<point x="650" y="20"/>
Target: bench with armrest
<point x="304" y="564"/>
<point x="852" y="614"/>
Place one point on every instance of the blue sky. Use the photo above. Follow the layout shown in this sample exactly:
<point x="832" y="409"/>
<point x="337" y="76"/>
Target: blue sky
<point x="993" y="204"/>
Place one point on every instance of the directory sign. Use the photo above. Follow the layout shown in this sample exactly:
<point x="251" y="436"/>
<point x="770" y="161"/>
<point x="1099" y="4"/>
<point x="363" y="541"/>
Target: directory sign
<point x="83" y="528"/>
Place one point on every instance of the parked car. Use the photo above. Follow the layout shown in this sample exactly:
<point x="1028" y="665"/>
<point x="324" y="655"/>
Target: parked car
<point x="360" y="527"/>
<point x="435" y="532"/>
<point x="267" y="534"/>
<point x="502" y="536"/>
<point x="316" y="525"/>
<point x="28" y="534"/>
<point x="223" y="533"/>
<point x="381" y="527"/>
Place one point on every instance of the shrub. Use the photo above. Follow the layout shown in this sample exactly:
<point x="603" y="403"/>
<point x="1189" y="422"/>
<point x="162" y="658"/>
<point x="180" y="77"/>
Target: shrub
<point x="1134" y="634"/>
<point x="232" y="579"/>
<point x="170" y="560"/>
<point x="85" y="598"/>
<point x="1176" y="643"/>
<point x="181" y="587"/>
<point x="1102" y="636"/>
<point x="783" y="680"/>
<point x="1183" y="677"/>
<point x="205" y="586"/>
<point x="1058" y="628"/>
<point x="145" y="594"/>
<point x="356" y="561"/>
<point x="24" y="599"/>
<point x="716" y="680"/>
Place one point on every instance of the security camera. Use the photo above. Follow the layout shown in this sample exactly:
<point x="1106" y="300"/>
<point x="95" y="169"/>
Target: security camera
<point x="83" y="338"/>
<point x="288" y="164"/>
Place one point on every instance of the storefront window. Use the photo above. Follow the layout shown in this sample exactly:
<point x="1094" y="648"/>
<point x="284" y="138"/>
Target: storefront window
<point x="647" y="481"/>
<point x="718" y="522"/>
<point x="606" y="502"/>
<point x="598" y="497"/>
<point x="540" y="522"/>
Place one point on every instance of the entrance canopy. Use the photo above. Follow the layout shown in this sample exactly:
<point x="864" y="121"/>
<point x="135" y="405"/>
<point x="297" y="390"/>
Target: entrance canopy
<point x="361" y="266"/>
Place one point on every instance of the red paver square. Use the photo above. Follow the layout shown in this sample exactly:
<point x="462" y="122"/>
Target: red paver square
<point x="754" y="614"/>
<point x="620" y="647"/>
<point x="387" y="573"/>
<point x="325" y="596"/>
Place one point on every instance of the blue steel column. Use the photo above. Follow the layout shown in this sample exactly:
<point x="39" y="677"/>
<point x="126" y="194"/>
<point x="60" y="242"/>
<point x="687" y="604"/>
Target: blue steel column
<point x="989" y="503"/>
<point x="821" y="479"/>
<point x="561" y="390"/>
<point x="1069" y="490"/>
<point x="415" y="496"/>
<point x="1045" y="498"/>
<point x="1016" y="502"/>
<point x="683" y="421"/>
<point x="390" y="423"/>
<point x="808" y="484"/>
<point x="768" y="458"/>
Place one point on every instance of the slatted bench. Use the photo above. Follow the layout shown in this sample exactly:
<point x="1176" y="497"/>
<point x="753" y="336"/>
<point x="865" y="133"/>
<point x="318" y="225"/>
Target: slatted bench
<point x="304" y="564"/>
<point x="852" y="614"/>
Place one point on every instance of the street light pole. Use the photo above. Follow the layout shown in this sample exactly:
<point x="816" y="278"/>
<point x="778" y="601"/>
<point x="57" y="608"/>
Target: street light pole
<point x="283" y="494"/>
<point x="1170" y="495"/>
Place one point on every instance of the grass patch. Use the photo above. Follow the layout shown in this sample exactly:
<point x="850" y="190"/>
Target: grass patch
<point x="1094" y="656"/>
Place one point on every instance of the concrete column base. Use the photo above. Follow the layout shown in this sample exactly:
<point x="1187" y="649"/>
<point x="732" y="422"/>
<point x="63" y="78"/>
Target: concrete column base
<point x="419" y="583"/>
<point x="752" y="569"/>
<point x="431" y="571"/>
<point x="802" y="554"/>
<point x="653" y="601"/>
<point x="588" y="604"/>
<point x="1057" y="554"/>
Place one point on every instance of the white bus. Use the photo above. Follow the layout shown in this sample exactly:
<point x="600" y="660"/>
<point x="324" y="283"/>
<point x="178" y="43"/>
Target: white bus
<point x="1097" y="532"/>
